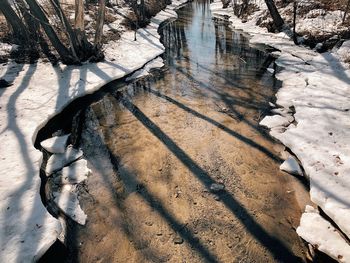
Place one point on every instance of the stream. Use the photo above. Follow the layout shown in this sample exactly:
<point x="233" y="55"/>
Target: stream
<point x="181" y="169"/>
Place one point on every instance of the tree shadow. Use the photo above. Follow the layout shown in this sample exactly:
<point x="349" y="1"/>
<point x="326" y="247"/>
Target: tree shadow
<point x="12" y="71"/>
<point x="276" y="247"/>
<point x="130" y="182"/>
<point x="337" y="68"/>
<point x="233" y="44"/>
<point x="15" y="200"/>
<point x="231" y="102"/>
<point x="217" y="124"/>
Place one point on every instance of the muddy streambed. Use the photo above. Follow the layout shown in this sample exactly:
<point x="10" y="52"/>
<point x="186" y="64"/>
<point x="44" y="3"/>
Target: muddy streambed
<point x="181" y="170"/>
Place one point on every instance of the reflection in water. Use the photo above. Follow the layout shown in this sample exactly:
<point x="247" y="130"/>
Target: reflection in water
<point x="157" y="146"/>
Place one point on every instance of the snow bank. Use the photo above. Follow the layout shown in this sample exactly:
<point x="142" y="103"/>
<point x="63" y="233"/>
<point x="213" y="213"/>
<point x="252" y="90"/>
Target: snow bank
<point x="66" y="179"/>
<point x="344" y="51"/>
<point x="55" y="144"/>
<point x="39" y="92"/>
<point x="156" y="63"/>
<point x="274" y="121"/>
<point x="67" y="200"/>
<point x="58" y="161"/>
<point x="5" y="49"/>
<point x="291" y="166"/>
<point x="323" y="236"/>
<point x="73" y="174"/>
<point x="318" y="87"/>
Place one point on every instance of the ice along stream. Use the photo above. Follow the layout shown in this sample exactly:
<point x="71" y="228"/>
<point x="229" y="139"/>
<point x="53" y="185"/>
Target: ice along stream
<point x="181" y="170"/>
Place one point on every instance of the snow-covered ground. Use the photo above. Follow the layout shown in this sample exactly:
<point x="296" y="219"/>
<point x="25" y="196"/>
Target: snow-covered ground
<point x="39" y="92"/>
<point x="318" y="87"/>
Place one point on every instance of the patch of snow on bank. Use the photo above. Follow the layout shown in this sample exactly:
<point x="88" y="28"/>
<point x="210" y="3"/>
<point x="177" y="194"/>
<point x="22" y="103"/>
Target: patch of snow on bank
<point x="5" y="49"/>
<point x="323" y="236"/>
<point x="55" y="144"/>
<point x="9" y="71"/>
<point x="67" y="200"/>
<point x="274" y="121"/>
<point x="39" y="92"/>
<point x="58" y="161"/>
<point x="73" y="174"/>
<point x="344" y="51"/>
<point x="156" y="63"/>
<point x="291" y="166"/>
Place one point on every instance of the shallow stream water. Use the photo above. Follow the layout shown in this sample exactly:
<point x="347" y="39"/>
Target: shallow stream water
<point x="158" y="146"/>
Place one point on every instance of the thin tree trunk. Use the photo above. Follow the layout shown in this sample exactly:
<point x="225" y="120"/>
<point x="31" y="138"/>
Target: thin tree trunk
<point x="19" y="29"/>
<point x="79" y="15"/>
<point x="346" y="11"/>
<point x="31" y="23"/>
<point x="70" y="33"/>
<point x="63" y="52"/>
<point x="277" y="19"/>
<point x="225" y="3"/>
<point x="99" y="26"/>
<point x="295" y="7"/>
<point x="142" y="10"/>
<point x="79" y="29"/>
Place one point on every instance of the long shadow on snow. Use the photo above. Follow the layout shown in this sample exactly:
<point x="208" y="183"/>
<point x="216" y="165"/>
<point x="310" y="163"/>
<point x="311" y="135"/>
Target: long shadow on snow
<point x="16" y="197"/>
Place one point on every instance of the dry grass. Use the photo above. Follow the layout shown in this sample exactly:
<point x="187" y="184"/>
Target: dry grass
<point x="4" y="30"/>
<point x="334" y="4"/>
<point x="330" y="5"/>
<point x="154" y="6"/>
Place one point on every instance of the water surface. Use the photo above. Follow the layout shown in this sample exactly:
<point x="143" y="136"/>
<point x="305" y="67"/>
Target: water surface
<point x="157" y="146"/>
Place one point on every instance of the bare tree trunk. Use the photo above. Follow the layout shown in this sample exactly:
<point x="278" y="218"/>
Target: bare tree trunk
<point x="99" y="27"/>
<point x="142" y="11"/>
<point x="70" y="33"/>
<point x="82" y="41"/>
<point x="39" y="14"/>
<point x="225" y="3"/>
<point x="31" y="23"/>
<point x="295" y="7"/>
<point x="19" y="29"/>
<point x="277" y="19"/>
<point x="79" y="15"/>
<point x="346" y="11"/>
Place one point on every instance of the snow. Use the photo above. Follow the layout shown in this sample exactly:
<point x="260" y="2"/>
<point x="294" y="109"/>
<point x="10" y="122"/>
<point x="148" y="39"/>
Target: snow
<point x="291" y="166"/>
<point x="156" y="63"/>
<point x="323" y="236"/>
<point x="67" y="200"/>
<point x="271" y="70"/>
<point x="274" y="121"/>
<point x="55" y="144"/>
<point x="344" y="51"/>
<point x="318" y="87"/>
<point x="39" y="92"/>
<point x="5" y="49"/>
<point x="10" y="71"/>
<point x="74" y="173"/>
<point x="58" y="161"/>
<point x="272" y="105"/>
